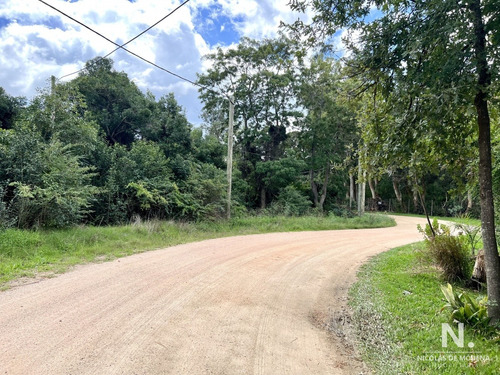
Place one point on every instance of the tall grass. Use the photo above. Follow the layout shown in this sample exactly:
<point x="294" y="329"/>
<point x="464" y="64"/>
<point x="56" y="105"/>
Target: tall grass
<point x="30" y="253"/>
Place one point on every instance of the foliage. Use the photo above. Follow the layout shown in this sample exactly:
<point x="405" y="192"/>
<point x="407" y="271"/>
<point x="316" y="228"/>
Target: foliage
<point x="328" y="131"/>
<point x="449" y="252"/>
<point x="435" y="63"/>
<point x="290" y="203"/>
<point x="261" y="76"/>
<point x="168" y="127"/>
<point x="138" y="183"/>
<point x="114" y="101"/>
<point x="207" y="149"/>
<point x="395" y="306"/>
<point x="10" y="107"/>
<point x="465" y="309"/>
<point x="472" y="233"/>
<point x="278" y="174"/>
<point x="207" y="185"/>
<point x="62" y="196"/>
<point x="62" y="115"/>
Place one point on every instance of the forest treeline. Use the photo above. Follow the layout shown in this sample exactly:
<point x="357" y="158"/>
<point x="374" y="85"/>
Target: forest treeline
<point x="97" y="150"/>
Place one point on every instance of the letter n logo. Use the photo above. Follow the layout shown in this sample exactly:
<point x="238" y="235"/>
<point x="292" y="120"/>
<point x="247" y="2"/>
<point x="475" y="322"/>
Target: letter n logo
<point x="447" y="330"/>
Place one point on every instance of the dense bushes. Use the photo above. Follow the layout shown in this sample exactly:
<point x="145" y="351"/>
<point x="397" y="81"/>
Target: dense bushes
<point x="290" y="202"/>
<point x="450" y="253"/>
<point x="97" y="150"/>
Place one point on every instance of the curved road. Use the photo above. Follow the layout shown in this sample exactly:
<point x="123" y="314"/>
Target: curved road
<point x="241" y="305"/>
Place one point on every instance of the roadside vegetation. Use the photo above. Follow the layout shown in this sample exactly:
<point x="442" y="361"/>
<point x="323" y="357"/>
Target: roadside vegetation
<point x="460" y="219"/>
<point x="25" y="253"/>
<point x="411" y="112"/>
<point x="402" y="298"/>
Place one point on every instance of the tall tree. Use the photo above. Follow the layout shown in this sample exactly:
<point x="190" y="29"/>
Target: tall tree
<point x="261" y="76"/>
<point x="168" y="126"/>
<point x="115" y="102"/>
<point x="46" y="174"/>
<point x="440" y="52"/>
<point x="329" y="127"/>
<point x="9" y="109"/>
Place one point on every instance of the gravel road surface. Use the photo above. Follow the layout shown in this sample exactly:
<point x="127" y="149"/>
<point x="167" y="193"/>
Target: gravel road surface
<point x="253" y="304"/>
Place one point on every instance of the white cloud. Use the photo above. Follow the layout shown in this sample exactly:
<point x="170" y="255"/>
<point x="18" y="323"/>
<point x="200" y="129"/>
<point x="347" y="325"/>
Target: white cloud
<point x="39" y="42"/>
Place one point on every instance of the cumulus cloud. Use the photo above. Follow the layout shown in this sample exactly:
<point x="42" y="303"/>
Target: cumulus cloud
<point x="37" y="42"/>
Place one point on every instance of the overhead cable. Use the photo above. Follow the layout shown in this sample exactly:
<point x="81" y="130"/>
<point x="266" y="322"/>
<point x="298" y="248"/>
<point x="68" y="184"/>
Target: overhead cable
<point x="131" y="40"/>
<point x="123" y="48"/>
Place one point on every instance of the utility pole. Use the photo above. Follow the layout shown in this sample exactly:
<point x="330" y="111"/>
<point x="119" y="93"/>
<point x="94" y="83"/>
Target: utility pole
<point x="361" y="190"/>
<point x="230" y="155"/>
<point x="52" y="85"/>
<point x="53" y="94"/>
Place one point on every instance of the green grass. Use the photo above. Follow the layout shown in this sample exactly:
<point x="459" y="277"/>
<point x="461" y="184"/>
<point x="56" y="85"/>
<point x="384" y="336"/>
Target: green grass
<point x="460" y="220"/>
<point x="45" y="252"/>
<point x="396" y="315"/>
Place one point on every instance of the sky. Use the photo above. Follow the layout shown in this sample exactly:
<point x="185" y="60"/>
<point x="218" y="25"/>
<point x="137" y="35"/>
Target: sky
<point x="37" y="42"/>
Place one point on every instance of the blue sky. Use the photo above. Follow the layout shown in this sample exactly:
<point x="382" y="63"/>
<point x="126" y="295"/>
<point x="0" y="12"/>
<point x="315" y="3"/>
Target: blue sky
<point x="37" y="42"/>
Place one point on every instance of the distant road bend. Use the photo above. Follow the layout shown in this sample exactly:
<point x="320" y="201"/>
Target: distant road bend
<point x="238" y="305"/>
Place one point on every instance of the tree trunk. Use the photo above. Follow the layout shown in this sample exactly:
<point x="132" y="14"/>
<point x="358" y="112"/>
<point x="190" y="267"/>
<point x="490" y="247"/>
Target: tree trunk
<point x="491" y="258"/>
<point x="399" y="197"/>
<point x="479" y="272"/>
<point x="314" y="188"/>
<point x="361" y="191"/>
<point x="415" y="199"/>
<point x="351" y="190"/>
<point x="325" y="186"/>
<point x="470" y="202"/>
<point x="262" y="198"/>
<point x="372" y="185"/>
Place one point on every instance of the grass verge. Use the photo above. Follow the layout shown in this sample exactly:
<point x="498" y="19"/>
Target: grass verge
<point x="396" y="316"/>
<point x="45" y="252"/>
<point x="458" y="220"/>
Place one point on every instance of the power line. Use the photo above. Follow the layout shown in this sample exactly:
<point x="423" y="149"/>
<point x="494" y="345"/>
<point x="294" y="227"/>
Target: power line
<point x="131" y="40"/>
<point x="121" y="47"/>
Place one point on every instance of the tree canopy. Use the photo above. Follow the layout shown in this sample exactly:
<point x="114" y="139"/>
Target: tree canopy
<point x="437" y="63"/>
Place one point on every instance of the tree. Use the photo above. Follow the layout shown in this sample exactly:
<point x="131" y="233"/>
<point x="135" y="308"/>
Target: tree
<point x="276" y="175"/>
<point x="261" y="76"/>
<point x="45" y="184"/>
<point x="207" y="149"/>
<point x="137" y="182"/>
<point x="329" y="127"/>
<point x="115" y="102"/>
<point x="62" y="114"/>
<point x="45" y="161"/>
<point x="9" y="109"/>
<point x="434" y="50"/>
<point x="168" y="126"/>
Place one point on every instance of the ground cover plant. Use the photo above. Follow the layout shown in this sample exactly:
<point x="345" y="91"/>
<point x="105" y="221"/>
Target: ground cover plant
<point x="397" y="313"/>
<point x="45" y="252"/>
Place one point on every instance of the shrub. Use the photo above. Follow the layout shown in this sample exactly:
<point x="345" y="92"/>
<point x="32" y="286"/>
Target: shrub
<point x="472" y="233"/>
<point x="290" y="202"/>
<point x="61" y="197"/>
<point x="448" y="252"/>
<point x="4" y="215"/>
<point x="467" y="310"/>
<point x="341" y="211"/>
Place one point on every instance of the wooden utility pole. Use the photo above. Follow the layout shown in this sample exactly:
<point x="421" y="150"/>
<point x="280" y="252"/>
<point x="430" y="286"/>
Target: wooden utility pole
<point x="52" y="85"/>
<point x="53" y="93"/>
<point x="230" y="155"/>
<point x="361" y="190"/>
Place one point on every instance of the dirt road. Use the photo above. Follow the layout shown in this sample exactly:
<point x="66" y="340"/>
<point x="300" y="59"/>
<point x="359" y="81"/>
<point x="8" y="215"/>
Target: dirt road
<point x="240" y="305"/>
